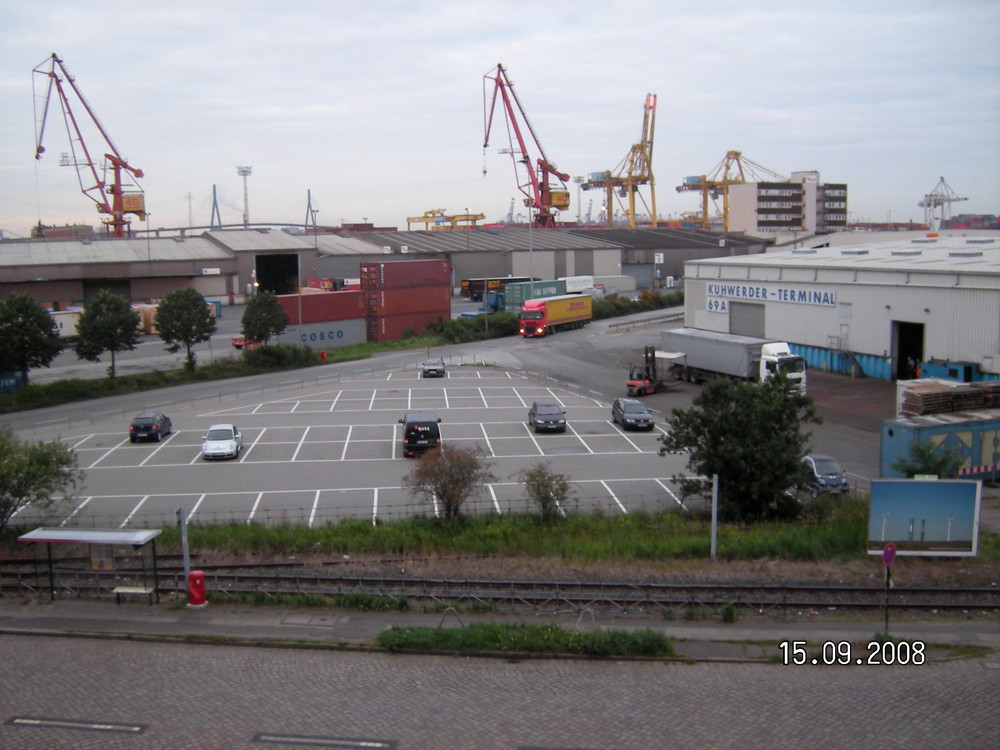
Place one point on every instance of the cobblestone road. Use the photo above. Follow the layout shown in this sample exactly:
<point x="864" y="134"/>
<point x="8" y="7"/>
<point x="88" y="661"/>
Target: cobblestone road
<point x="146" y="695"/>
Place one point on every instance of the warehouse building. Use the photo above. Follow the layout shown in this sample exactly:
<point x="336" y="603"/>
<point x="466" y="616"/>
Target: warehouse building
<point x="870" y="306"/>
<point x="228" y="265"/>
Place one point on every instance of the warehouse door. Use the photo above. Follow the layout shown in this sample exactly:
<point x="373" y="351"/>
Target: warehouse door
<point x="908" y="348"/>
<point x="746" y="319"/>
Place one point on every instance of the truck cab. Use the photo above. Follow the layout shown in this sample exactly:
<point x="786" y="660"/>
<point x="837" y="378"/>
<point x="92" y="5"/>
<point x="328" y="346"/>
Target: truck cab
<point x="777" y="359"/>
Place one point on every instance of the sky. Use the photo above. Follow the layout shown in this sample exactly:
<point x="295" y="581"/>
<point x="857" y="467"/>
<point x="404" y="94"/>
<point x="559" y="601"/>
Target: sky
<point x="376" y="107"/>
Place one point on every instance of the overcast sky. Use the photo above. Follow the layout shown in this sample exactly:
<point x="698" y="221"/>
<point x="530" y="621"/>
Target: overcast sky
<point x="377" y="106"/>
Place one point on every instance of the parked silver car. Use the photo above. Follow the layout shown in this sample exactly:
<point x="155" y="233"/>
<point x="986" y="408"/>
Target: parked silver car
<point x="222" y="441"/>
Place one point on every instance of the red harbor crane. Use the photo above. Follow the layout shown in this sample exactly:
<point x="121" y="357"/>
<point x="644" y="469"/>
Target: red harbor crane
<point x="114" y="200"/>
<point x="539" y="191"/>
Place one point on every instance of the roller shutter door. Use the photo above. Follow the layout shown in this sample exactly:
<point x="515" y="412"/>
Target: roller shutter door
<point x="746" y="319"/>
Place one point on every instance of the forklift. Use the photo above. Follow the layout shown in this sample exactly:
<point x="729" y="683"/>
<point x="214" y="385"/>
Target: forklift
<point x="648" y="377"/>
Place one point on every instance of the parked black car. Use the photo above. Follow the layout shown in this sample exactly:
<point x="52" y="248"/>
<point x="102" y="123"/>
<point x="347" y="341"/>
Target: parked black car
<point x="631" y="414"/>
<point x="547" y="415"/>
<point x="420" y="432"/>
<point x="826" y="475"/>
<point x="149" y="426"/>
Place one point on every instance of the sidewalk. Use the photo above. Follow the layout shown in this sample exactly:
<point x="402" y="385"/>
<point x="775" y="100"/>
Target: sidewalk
<point x="709" y="640"/>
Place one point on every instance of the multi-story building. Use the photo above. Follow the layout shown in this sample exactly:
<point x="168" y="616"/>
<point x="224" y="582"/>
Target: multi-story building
<point x="801" y="205"/>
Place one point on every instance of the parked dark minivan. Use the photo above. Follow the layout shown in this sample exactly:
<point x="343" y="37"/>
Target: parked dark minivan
<point x="420" y="432"/>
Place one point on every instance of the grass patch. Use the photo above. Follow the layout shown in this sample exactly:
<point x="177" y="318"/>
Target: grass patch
<point x="527" y="638"/>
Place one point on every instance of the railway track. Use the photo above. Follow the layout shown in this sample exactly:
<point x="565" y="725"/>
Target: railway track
<point x="523" y="595"/>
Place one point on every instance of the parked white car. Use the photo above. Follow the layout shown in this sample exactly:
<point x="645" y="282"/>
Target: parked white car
<point x="222" y="441"/>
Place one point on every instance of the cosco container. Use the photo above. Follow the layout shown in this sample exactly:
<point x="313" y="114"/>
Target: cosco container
<point x="329" y="335"/>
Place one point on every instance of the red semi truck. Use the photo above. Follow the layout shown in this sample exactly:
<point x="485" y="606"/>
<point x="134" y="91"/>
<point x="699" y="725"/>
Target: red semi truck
<point x="541" y="316"/>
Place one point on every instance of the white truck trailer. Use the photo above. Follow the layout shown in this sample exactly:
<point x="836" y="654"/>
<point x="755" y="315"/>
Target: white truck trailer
<point x="701" y="355"/>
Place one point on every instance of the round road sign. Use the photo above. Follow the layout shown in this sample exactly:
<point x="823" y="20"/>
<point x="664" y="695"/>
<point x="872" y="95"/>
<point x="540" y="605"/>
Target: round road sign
<point x="889" y="553"/>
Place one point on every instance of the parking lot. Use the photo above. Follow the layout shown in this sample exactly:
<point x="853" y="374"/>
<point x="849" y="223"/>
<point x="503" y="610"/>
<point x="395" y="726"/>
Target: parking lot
<point x="321" y="454"/>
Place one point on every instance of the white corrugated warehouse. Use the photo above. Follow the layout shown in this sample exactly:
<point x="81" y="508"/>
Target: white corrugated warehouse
<point x="864" y="302"/>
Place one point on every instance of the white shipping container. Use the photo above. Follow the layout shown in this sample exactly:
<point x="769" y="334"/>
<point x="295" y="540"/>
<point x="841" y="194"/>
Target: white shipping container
<point x="327" y="335"/>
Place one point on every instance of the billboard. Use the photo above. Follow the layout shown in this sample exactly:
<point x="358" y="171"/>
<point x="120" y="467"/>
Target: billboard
<point x="925" y="518"/>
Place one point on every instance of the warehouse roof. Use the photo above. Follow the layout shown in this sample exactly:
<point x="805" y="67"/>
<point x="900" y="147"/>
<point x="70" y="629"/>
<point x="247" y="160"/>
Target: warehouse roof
<point x="905" y="251"/>
<point x="129" y="250"/>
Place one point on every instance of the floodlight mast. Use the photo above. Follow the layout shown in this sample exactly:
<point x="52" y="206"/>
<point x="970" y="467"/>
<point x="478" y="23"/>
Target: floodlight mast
<point x="122" y="202"/>
<point x="538" y="191"/>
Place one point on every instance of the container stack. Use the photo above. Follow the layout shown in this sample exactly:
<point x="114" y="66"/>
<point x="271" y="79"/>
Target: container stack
<point x="404" y="295"/>
<point x="329" y="319"/>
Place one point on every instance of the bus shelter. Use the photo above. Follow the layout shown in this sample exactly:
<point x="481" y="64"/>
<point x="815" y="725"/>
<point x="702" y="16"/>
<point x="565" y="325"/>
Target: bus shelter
<point x="118" y="572"/>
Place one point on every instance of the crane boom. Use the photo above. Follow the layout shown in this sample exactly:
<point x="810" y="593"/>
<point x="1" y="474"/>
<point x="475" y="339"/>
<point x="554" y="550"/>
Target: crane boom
<point x="92" y="183"/>
<point x="537" y="187"/>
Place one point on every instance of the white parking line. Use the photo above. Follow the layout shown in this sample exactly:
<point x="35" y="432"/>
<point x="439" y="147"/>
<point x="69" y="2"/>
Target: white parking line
<point x="312" y="513"/>
<point x="347" y="442"/>
<point x="301" y="441"/>
<point x="371" y="401"/>
<point x="336" y="398"/>
<point x="81" y="440"/>
<point x="486" y="437"/>
<point x="253" y="445"/>
<point x="256" y="504"/>
<point x="577" y="435"/>
<point x="156" y="450"/>
<point x="624" y="435"/>
<point x="107" y="453"/>
<point x="76" y="510"/>
<point x="194" y="508"/>
<point x="493" y="494"/>
<point x="614" y="496"/>
<point x="134" y="511"/>
<point x="375" y="506"/>
<point x="670" y="492"/>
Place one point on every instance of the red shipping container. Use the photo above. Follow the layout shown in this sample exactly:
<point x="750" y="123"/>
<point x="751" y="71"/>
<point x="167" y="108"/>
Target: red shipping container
<point x="405" y="273"/>
<point x="322" y="307"/>
<point x="386" y="302"/>
<point x="392" y="327"/>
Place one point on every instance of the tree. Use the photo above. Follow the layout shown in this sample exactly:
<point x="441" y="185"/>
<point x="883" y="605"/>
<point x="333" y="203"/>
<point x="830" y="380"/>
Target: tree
<point x="29" y="337"/>
<point x="183" y="319"/>
<point x="923" y="458"/>
<point x="750" y="435"/>
<point x="33" y="473"/>
<point x="263" y="317"/>
<point x="107" y="324"/>
<point x="448" y="476"/>
<point x="546" y="489"/>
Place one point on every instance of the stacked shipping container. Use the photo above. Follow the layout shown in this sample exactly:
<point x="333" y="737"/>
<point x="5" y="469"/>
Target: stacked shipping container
<point x="403" y="295"/>
<point x="329" y="319"/>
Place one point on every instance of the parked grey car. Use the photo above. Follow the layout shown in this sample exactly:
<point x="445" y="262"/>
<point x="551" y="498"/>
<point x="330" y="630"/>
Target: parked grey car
<point x="632" y="414"/>
<point x="826" y="475"/>
<point x="547" y="415"/>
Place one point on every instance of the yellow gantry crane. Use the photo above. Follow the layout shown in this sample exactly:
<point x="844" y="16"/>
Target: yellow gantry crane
<point x="734" y="169"/>
<point x="634" y="170"/>
<point x="437" y="219"/>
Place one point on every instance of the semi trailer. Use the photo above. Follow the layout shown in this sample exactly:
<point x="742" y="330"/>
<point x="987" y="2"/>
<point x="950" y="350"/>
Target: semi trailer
<point x="539" y="317"/>
<point x="701" y="355"/>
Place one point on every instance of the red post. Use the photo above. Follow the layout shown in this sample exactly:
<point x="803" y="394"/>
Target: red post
<point x="196" y="589"/>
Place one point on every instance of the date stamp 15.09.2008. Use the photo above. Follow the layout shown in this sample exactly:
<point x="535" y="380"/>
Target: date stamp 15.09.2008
<point x="882" y="653"/>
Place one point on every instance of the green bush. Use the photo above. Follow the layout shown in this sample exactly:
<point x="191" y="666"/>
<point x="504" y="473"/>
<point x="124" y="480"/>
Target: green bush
<point x="280" y="357"/>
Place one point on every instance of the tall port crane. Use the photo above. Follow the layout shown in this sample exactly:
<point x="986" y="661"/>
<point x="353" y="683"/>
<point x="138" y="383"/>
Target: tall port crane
<point x="941" y="197"/>
<point x="734" y="169"/>
<point x="634" y="170"/>
<point x="539" y="192"/>
<point x="113" y="200"/>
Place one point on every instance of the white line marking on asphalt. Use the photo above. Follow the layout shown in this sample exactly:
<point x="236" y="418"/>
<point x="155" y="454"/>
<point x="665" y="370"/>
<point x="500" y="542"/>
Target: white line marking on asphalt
<point x="134" y="511"/>
<point x="194" y="509"/>
<point x="253" y="445"/>
<point x="76" y="510"/>
<point x="486" y="437"/>
<point x="312" y="513"/>
<point x="614" y="496"/>
<point x="374" y="505"/>
<point x="493" y="494"/>
<point x="336" y="398"/>
<point x="347" y="442"/>
<point x="256" y="504"/>
<point x="301" y="441"/>
<point x="670" y="492"/>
